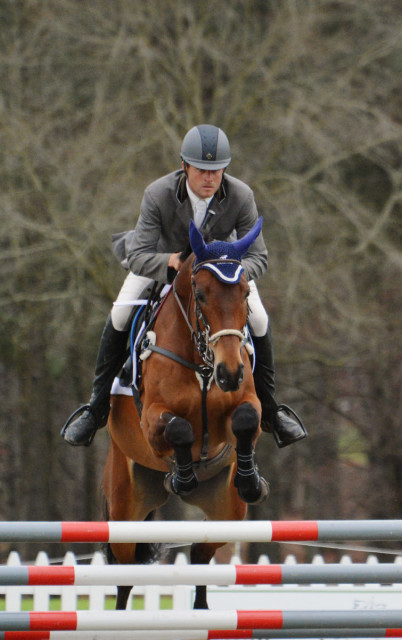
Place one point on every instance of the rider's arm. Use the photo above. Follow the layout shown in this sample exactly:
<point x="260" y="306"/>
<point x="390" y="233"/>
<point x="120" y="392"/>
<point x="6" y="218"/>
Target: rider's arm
<point x="255" y="262"/>
<point x="144" y="254"/>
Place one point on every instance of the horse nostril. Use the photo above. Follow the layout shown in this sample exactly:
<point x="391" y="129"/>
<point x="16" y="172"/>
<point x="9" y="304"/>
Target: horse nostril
<point x="221" y="374"/>
<point x="226" y="380"/>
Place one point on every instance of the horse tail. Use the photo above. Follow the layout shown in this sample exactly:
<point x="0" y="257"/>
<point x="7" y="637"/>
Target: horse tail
<point x="145" y="552"/>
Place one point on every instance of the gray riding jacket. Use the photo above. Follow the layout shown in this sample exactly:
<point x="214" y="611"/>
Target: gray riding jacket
<point x="163" y="226"/>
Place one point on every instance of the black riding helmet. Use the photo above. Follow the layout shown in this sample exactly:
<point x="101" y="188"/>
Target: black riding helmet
<point x="206" y="147"/>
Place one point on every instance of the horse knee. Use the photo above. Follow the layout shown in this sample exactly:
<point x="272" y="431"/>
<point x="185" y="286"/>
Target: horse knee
<point x="179" y="432"/>
<point x="245" y="422"/>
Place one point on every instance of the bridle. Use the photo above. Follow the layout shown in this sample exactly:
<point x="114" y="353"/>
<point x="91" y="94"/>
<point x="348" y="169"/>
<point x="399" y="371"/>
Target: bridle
<point x="201" y="334"/>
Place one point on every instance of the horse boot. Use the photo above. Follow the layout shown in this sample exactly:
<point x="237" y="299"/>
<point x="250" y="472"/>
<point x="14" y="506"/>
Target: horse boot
<point x="279" y="420"/>
<point x="82" y="425"/>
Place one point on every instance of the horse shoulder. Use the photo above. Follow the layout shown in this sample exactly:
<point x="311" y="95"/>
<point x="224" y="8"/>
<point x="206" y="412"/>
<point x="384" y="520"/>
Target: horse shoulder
<point x="126" y="432"/>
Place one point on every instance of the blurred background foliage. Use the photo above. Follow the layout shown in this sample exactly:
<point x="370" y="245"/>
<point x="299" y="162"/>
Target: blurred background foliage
<point x="95" y="98"/>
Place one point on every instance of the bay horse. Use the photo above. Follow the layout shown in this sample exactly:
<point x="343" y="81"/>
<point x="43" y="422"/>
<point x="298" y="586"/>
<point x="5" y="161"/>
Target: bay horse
<point x="200" y="416"/>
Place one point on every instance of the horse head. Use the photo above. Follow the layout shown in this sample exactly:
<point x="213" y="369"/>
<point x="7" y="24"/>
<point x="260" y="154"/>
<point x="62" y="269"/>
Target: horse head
<point x="220" y="292"/>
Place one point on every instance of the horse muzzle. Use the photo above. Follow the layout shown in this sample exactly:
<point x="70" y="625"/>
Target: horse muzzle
<point x="227" y="380"/>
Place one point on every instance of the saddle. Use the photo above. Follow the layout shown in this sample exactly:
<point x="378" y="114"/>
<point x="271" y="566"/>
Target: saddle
<point x="141" y="327"/>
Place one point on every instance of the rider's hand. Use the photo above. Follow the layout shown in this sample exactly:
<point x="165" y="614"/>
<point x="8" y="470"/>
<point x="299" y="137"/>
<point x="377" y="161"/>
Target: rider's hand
<point x="175" y="262"/>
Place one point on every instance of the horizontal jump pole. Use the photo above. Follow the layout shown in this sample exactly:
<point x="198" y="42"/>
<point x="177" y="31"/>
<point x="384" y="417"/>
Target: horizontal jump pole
<point x="202" y="635"/>
<point x="196" y="620"/>
<point x="221" y="575"/>
<point x="189" y="532"/>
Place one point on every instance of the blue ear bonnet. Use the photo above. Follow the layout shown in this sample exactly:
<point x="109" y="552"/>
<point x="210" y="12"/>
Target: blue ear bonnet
<point x="226" y="265"/>
<point x="223" y="259"/>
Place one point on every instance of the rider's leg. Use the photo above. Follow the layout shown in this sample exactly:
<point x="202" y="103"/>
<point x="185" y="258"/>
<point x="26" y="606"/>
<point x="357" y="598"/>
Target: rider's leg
<point x="111" y="357"/>
<point x="282" y="424"/>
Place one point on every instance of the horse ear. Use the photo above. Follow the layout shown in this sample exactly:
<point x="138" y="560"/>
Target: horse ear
<point x="197" y="242"/>
<point x="243" y="245"/>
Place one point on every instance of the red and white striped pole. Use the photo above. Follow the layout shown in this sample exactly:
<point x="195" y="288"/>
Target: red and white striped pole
<point x="220" y="575"/>
<point x="197" y="620"/>
<point x="189" y="532"/>
<point x="202" y="635"/>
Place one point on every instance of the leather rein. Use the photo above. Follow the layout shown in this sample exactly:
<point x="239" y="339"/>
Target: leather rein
<point x="202" y="341"/>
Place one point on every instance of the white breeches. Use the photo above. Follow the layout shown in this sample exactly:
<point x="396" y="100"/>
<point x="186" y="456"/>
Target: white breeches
<point x="129" y="296"/>
<point x="134" y="285"/>
<point x="258" y="318"/>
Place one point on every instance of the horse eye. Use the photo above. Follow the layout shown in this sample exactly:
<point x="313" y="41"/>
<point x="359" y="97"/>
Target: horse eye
<point x="246" y="295"/>
<point x="200" y="296"/>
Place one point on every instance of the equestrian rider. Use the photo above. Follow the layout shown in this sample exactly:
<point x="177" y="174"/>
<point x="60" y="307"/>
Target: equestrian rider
<point x="225" y="208"/>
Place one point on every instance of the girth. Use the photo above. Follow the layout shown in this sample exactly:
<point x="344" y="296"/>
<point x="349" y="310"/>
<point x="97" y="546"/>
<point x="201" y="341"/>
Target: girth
<point x="207" y="469"/>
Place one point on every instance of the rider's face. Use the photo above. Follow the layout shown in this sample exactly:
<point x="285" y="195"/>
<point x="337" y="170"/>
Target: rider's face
<point x="202" y="182"/>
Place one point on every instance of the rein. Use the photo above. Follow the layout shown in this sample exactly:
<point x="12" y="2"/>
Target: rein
<point x="202" y="341"/>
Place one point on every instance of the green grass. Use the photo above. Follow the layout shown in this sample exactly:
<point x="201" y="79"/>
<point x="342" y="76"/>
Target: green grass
<point x="83" y="603"/>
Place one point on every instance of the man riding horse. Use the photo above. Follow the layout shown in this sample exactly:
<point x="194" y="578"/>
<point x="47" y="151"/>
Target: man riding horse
<point x="224" y="208"/>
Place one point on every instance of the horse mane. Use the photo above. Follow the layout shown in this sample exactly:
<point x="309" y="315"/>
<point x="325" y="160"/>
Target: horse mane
<point x="186" y="253"/>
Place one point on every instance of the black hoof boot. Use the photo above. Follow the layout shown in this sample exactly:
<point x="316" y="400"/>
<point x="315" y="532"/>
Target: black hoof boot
<point x="180" y="485"/>
<point x="252" y="488"/>
<point x="182" y="480"/>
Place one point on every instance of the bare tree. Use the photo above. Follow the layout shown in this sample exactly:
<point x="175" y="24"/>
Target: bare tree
<point x="95" y="99"/>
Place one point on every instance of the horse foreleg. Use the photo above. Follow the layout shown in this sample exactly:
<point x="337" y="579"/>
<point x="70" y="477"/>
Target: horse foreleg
<point x="179" y="433"/>
<point x="219" y="500"/>
<point x="123" y="594"/>
<point x="252" y="487"/>
<point x="202" y="553"/>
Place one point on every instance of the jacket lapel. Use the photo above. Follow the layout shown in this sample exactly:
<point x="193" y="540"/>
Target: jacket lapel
<point x="215" y="212"/>
<point x="216" y="208"/>
<point x="184" y="213"/>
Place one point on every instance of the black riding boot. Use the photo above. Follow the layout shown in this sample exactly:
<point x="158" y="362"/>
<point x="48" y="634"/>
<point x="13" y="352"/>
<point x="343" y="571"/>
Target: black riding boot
<point x="111" y="356"/>
<point x="279" y="420"/>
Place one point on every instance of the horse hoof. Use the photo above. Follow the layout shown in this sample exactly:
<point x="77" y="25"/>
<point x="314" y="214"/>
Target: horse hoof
<point x="265" y="489"/>
<point x="252" y="489"/>
<point x="177" y="487"/>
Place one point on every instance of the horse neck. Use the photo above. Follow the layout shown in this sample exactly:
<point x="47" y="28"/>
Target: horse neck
<point x="183" y="282"/>
<point x="177" y="325"/>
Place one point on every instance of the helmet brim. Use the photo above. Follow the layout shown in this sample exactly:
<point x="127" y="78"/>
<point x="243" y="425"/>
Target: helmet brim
<point x="205" y="165"/>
